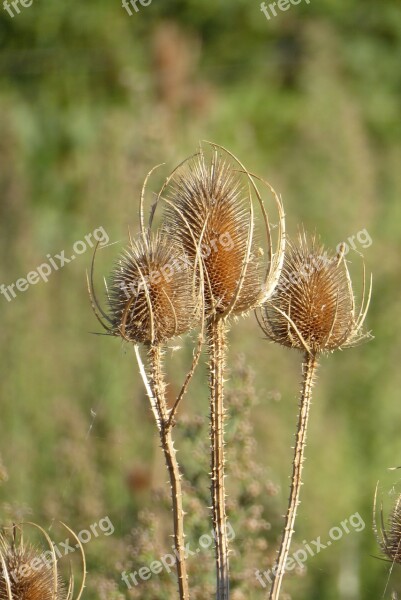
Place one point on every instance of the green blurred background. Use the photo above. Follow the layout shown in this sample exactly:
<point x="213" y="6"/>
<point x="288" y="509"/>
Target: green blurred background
<point x="90" y="100"/>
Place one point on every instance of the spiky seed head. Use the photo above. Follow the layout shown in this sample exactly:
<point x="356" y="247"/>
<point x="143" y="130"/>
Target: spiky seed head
<point x="208" y="211"/>
<point x="390" y="539"/>
<point x="152" y="295"/>
<point x="313" y="306"/>
<point x="27" y="573"/>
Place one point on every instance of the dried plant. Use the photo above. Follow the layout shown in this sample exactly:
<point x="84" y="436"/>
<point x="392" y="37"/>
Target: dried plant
<point x="210" y="206"/>
<point x="153" y="295"/>
<point x="390" y="536"/>
<point x="25" y="575"/>
<point x="311" y="310"/>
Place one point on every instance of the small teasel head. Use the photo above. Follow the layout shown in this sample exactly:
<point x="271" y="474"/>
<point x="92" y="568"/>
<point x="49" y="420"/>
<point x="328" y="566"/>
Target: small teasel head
<point x="210" y="209"/>
<point x="152" y="292"/>
<point x="28" y="572"/>
<point x="313" y="305"/>
<point x="389" y="536"/>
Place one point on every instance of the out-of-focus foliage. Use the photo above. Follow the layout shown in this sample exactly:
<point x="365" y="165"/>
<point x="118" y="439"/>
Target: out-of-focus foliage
<point x="90" y="100"/>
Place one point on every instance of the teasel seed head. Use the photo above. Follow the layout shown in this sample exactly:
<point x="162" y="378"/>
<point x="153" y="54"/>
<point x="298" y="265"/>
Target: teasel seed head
<point x="210" y="211"/>
<point x="152" y="292"/>
<point x="389" y="539"/>
<point x="28" y="573"/>
<point x="313" y="305"/>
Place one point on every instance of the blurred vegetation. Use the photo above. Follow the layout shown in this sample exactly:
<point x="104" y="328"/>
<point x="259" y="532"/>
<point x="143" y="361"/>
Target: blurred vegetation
<point x="90" y="100"/>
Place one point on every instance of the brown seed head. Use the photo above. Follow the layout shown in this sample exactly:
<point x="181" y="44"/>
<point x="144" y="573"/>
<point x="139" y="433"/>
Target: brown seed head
<point x="313" y="305"/>
<point x="390" y="536"/>
<point x="24" y="574"/>
<point x="152" y="295"/>
<point x="210" y="210"/>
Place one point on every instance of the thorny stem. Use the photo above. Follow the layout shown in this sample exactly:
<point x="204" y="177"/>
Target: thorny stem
<point x="309" y="369"/>
<point x="158" y="387"/>
<point x="217" y="345"/>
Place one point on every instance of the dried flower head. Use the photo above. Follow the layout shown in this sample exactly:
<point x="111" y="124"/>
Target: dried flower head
<point x="313" y="306"/>
<point x="390" y="536"/>
<point x="19" y="580"/>
<point x="152" y="292"/>
<point x="210" y="210"/>
<point x="30" y="573"/>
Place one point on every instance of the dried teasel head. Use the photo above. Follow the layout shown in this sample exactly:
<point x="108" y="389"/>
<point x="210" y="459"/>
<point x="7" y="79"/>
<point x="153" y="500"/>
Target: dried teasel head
<point x="210" y="209"/>
<point x="389" y="538"/>
<point x="152" y="292"/>
<point x="30" y="573"/>
<point x="313" y="305"/>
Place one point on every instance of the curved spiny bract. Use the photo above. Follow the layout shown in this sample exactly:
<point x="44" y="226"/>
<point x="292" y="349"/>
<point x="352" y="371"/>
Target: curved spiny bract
<point x="313" y="306"/>
<point x="211" y="207"/>
<point x="151" y="292"/>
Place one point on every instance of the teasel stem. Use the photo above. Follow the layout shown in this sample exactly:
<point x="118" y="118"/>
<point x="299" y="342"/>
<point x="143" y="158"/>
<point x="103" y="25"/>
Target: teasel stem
<point x="216" y="332"/>
<point x="165" y="424"/>
<point x="309" y="370"/>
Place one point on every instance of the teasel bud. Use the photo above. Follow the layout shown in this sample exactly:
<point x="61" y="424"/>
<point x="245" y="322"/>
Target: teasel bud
<point x="210" y="210"/>
<point x="389" y="539"/>
<point x="313" y="310"/>
<point x="27" y="572"/>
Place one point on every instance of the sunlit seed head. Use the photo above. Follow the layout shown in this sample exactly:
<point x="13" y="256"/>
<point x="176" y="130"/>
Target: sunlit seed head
<point x="390" y="538"/>
<point x="313" y="306"/>
<point x="151" y="294"/>
<point x="209" y="212"/>
<point x="25" y="575"/>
